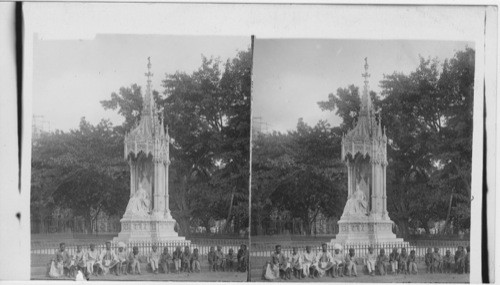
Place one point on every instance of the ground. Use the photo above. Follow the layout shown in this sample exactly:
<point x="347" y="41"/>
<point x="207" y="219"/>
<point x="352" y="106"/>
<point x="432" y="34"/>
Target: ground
<point x="203" y="276"/>
<point x="421" y="277"/>
<point x="39" y="270"/>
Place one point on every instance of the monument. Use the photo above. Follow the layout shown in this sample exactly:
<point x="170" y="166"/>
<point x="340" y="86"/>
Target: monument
<point x="147" y="146"/>
<point x="364" y="149"/>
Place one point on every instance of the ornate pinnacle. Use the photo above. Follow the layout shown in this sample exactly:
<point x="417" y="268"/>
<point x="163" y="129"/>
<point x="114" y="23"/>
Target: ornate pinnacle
<point x="366" y="74"/>
<point x="365" y="99"/>
<point x="149" y="74"/>
<point x="148" y="105"/>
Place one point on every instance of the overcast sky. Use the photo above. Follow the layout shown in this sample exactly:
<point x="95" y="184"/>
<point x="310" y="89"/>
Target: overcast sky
<point x="71" y="77"/>
<point x="291" y="76"/>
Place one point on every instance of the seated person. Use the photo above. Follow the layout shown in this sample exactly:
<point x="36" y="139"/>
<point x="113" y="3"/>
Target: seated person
<point x="338" y="261"/>
<point x="92" y="259"/>
<point x="382" y="260"/>
<point x="219" y="259"/>
<point x="296" y="263"/>
<point x="78" y="263"/>
<point x="370" y="261"/>
<point x="325" y="261"/>
<point x="154" y="259"/>
<point x="195" y="261"/>
<point x="230" y="260"/>
<point x="350" y="261"/>
<point x="186" y="258"/>
<point x="412" y="263"/>
<point x="447" y="262"/>
<point x="107" y="260"/>
<point x="60" y="263"/>
<point x="165" y="260"/>
<point x="177" y="259"/>
<point x="393" y="260"/>
<point x="437" y="261"/>
<point x="308" y="263"/>
<point x="275" y="268"/>
<point x="460" y="260"/>
<point x="403" y="261"/>
<point x="242" y="258"/>
<point x="286" y="269"/>
<point x="122" y="257"/>
<point x="211" y="259"/>
<point x="133" y="260"/>
<point x="428" y="260"/>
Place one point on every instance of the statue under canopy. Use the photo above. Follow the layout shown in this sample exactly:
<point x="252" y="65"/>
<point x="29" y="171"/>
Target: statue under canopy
<point x="364" y="150"/>
<point x="139" y="204"/>
<point x="147" y="150"/>
<point x="357" y="205"/>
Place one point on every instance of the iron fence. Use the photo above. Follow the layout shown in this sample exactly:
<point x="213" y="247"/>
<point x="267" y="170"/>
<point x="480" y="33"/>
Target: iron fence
<point x="145" y="248"/>
<point x="262" y="250"/>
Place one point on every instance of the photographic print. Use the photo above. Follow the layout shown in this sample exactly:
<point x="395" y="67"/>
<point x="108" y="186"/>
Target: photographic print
<point x="159" y="142"/>
<point x="361" y="160"/>
<point x="140" y="158"/>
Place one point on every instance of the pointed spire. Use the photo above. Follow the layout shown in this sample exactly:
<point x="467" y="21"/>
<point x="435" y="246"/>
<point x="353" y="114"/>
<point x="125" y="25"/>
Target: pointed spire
<point x="366" y="102"/>
<point x="148" y="97"/>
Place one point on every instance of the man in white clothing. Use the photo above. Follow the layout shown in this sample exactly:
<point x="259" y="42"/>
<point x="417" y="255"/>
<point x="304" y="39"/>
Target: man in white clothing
<point x="308" y="262"/>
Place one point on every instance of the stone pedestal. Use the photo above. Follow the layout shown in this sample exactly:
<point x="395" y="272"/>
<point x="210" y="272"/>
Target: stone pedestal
<point x="150" y="228"/>
<point x="365" y="231"/>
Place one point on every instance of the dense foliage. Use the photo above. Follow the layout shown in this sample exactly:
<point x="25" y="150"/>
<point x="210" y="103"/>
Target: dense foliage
<point x="82" y="170"/>
<point x="428" y="117"/>
<point x="295" y="172"/>
<point x="208" y="115"/>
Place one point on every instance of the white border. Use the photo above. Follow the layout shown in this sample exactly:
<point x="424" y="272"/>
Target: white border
<point x="265" y="21"/>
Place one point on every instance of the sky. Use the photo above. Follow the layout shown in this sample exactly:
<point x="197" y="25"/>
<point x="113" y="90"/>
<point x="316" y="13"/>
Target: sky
<point x="71" y="77"/>
<point x="291" y="75"/>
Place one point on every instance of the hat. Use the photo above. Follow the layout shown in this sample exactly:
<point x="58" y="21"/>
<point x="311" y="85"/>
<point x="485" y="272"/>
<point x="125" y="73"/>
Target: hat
<point x="337" y="246"/>
<point x="122" y="244"/>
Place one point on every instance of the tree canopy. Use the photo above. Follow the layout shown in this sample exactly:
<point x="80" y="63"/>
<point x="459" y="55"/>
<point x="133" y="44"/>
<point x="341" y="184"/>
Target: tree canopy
<point x="428" y="118"/>
<point x="82" y="170"/>
<point x="297" y="172"/>
<point x="208" y="116"/>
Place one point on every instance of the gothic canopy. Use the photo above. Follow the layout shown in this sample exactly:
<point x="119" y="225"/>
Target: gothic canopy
<point x="367" y="137"/>
<point x="149" y="135"/>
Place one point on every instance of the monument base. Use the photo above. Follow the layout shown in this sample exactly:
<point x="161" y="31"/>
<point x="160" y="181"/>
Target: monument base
<point x="365" y="230"/>
<point x="151" y="228"/>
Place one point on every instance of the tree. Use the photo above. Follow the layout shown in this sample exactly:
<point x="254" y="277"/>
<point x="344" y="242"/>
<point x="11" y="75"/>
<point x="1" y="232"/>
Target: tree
<point x="208" y="115"/>
<point x="347" y="104"/>
<point x="428" y="118"/>
<point x="82" y="170"/>
<point x="295" y="173"/>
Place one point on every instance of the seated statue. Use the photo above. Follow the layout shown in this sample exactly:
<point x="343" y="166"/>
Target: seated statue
<point x="139" y="204"/>
<point x="357" y="204"/>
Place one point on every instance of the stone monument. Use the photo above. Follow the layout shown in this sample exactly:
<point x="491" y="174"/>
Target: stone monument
<point x="364" y="149"/>
<point x="147" y="146"/>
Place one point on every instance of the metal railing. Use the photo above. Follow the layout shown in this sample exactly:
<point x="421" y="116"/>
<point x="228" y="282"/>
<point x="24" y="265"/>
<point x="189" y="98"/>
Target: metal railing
<point x="145" y="248"/>
<point x="261" y="250"/>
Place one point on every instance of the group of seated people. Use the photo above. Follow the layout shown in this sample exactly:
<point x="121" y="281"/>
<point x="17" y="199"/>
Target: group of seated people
<point x="336" y="264"/>
<point x="93" y="262"/>
<point x="459" y="263"/>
